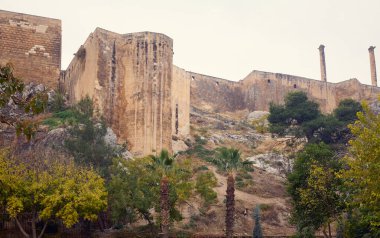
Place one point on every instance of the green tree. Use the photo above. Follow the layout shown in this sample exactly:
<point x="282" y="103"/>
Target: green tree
<point x="287" y="118"/>
<point x="347" y="110"/>
<point x="325" y="128"/>
<point x="137" y="183"/>
<point x="86" y="141"/>
<point x="11" y="89"/>
<point x="50" y="189"/>
<point x="301" y="117"/>
<point x="229" y="160"/>
<point x="257" y="232"/>
<point x="315" y="188"/>
<point x="363" y="174"/>
<point x="204" y="184"/>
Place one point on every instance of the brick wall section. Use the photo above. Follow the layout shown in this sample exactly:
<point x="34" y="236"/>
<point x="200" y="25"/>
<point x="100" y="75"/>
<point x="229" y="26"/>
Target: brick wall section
<point x="33" y="45"/>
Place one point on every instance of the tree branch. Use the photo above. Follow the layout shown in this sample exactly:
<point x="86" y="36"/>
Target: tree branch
<point x="21" y="229"/>
<point x="43" y="230"/>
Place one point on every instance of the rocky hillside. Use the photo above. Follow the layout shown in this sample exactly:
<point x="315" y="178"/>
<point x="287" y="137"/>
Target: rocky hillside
<point x="264" y="187"/>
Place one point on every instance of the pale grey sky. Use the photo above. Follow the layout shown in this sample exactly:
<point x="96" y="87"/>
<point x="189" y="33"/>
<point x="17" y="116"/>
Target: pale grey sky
<point x="230" y="38"/>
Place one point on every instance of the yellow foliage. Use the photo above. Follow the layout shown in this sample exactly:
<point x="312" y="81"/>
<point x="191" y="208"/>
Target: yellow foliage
<point x="363" y="175"/>
<point x="58" y="190"/>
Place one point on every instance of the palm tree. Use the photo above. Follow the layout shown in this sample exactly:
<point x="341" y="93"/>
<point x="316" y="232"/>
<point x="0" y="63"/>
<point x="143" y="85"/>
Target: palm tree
<point x="165" y="163"/>
<point x="229" y="160"/>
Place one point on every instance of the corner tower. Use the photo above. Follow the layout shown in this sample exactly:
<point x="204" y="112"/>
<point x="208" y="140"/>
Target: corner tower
<point x="129" y="78"/>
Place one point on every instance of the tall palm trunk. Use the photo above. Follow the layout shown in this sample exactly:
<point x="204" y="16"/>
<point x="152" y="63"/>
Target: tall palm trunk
<point x="165" y="207"/>
<point x="230" y="205"/>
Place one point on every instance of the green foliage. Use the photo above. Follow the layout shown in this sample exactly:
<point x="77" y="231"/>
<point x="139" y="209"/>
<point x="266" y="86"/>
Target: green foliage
<point x="315" y="187"/>
<point x="363" y="174"/>
<point x="201" y="168"/>
<point x="298" y="109"/>
<point x="305" y="232"/>
<point x="347" y="110"/>
<point x="257" y="232"/>
<point x="327" y="129"/>
<point x="9" y="85"/>
<point x="301" y="117"/>
<point x="200" y="151"/>
<point x="243" y="179"/>
<point x="229" y="159"/>
<point x="260" y="124"/>
<point x="86" y="142"/>
<point x="135" y="187"/>
<point x="66" y="117"/>
<point x="204" y="184"/>
<point x="51" y="190"/>
<point x="58" y="103"/>
<point x="11" y="88"/>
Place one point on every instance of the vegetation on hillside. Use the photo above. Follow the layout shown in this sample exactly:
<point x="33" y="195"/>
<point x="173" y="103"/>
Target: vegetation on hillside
<point x="331" y="183"/>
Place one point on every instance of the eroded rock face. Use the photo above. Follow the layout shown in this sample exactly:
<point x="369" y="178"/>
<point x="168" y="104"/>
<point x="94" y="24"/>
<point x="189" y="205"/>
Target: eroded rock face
<point x="129" y="77"/>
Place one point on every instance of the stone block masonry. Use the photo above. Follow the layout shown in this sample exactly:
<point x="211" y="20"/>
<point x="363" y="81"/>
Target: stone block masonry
<point x="144" y="98"/>
<point x="33" y="45"/>
<point x="129" y="77"/>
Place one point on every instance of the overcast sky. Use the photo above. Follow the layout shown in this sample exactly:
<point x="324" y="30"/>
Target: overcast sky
<point x="230" y="38"/>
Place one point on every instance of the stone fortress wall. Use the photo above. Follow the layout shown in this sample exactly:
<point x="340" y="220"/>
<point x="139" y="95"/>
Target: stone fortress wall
<point x="130" y="79"/>
<point x="256" y="91"/>
<point x="33" y="45"/>
<point x="135" y="86"/>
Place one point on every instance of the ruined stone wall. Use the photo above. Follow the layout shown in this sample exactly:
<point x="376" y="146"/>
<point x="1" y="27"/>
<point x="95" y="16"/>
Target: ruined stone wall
<point x="259" y="89"/>
<point x="180" y="102"/>
<point x="215" y="94"/>
<point x="33" y="45"/>
<point x="129" y="78"/>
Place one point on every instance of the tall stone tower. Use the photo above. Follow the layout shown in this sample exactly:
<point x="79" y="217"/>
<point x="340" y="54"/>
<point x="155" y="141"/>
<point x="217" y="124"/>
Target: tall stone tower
<point x="372" y="62"/>
<point x="33" y="45"/>
<point x="322" y="62"/>
<point x="129" y="78"/>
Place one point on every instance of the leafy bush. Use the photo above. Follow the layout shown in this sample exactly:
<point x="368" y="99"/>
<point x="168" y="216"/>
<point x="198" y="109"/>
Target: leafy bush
<point x="204" y="184"/>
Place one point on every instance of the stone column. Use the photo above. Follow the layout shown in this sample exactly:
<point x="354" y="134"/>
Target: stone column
<point x="322" y="62"/>
<point x="373" y="65"/>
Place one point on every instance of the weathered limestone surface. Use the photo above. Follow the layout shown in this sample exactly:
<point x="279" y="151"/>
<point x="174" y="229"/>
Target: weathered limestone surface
<point x="215" y="94"/>
<point x="180" y="102"/>
<point x="135" y="86"/>
<point x="129" y="78"/>
<point x="33" y="45"/>
<point x="372" y="62"/>
<point x="259" y="89"/>
<point x="322" y="62"/>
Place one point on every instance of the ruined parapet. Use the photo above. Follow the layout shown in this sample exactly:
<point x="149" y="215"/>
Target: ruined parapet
<point x="322" y="60"/>
<point x="372" y="61"/>
<point x="256" y="91"/>
<point x="129" y="78"/>
<point x="33" y="45"/>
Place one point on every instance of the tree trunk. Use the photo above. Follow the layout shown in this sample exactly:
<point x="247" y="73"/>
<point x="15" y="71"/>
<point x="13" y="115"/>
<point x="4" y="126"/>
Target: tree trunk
<point x="329" y="230"/>
<point x="324" y="231"/>
<point x="21" y="229"/>
<point x="165" y="207"/>
<point x="43" y="230"/>
<point x="230" y="205"/>
<point x="34" y="231"/>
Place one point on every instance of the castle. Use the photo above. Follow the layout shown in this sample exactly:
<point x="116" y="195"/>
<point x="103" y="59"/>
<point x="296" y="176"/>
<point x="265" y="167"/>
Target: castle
<point x="135" y="86"/>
